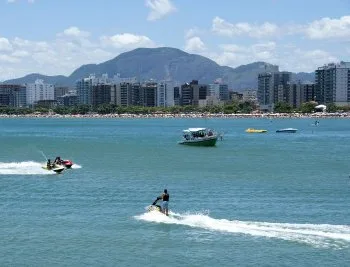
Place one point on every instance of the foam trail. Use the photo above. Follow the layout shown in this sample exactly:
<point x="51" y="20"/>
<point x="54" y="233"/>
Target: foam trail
<point x="23" y="168"/>
<point x="76" y="166"/>
<point x="317" y="235"/>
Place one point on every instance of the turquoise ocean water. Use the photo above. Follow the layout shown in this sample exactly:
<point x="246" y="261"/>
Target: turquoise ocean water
<point x="253" y="200"/>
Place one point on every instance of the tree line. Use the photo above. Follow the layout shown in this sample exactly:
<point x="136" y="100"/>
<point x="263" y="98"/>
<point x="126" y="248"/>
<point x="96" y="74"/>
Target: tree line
<point x="234" y="107"/>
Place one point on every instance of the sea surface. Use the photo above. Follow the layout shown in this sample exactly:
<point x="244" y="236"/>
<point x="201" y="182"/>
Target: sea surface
<point x="272" y="199"/>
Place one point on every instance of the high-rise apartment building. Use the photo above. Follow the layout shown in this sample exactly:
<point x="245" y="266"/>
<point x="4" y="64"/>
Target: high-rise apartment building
<point x="101" y="94"/>
<point x="13" y="95"/>
<point x="333" y="83"/>
<point x="162" y="94"/>
<point x="149" y="90"/>
<point x="39" y="91"/>
<point x="84" y="89"/>
<point x="273" y="88"/>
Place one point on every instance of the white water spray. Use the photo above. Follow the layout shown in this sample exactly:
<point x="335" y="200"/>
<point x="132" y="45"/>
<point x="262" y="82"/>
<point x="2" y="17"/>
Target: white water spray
<point x="316" y="235"/>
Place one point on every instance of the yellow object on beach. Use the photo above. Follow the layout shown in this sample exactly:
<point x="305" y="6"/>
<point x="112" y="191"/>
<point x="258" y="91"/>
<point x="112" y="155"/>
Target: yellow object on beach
<point x="252" y="130"/>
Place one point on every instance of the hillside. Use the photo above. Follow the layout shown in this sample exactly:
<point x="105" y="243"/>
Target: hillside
<point x="167" y="63"/>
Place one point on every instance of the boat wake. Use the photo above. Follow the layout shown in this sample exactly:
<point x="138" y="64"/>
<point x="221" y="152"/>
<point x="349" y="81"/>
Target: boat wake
<point x="76" y="166"/>
<point x="316" y="235"/>
<point x="23" y="168"/>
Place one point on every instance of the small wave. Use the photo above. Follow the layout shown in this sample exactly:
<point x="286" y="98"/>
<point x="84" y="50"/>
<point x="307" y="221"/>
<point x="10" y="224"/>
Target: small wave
<point x="316" y="235"/>
<point x="23" y="168"/>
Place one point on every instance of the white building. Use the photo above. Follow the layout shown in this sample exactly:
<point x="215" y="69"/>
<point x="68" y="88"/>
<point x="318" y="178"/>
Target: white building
<point x="39" y="91"/>
<point x="161" y="94"/>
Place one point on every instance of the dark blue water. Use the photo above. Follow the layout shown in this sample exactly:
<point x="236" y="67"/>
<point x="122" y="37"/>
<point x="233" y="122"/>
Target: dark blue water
<point x="253" y="200"/>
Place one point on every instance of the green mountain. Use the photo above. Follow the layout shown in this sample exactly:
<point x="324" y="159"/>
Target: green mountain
<point x="165" y="63"/>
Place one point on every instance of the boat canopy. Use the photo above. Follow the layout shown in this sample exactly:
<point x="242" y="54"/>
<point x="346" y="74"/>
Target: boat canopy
<point x="194" y="130"/>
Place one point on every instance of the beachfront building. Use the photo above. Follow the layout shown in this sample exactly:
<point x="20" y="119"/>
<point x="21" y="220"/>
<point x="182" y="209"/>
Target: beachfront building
<point x="219" y="90"/>
<point x="273" y="88"/>
<point x="60" y="91"/>
<point x="177" y="96"/>
<point x="161" y="94"/>
<point x="68" y="100"/>
<point x="301" y="92"/>
<point x="84" y="89"/>
<point x="149" y="90"/>
<point x="121" y="94"/>
<point x="192" y="93"/>
<point x="39" y="91"/>
<point x="249" y="95"/>
<point x="136" y="95"/>
<point x="13" y="95"/>
<point x="101" y="94"/>
<point x="333" y="84"/>
<point x="235" y="96"/>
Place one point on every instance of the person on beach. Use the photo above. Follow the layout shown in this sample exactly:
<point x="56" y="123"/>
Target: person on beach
<point x="165" y="204"/>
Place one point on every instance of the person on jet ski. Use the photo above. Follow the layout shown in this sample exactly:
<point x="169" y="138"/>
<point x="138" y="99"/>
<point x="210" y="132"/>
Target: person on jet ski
<point x="165" y="198"/>
<point x="48" y="164"/>
<point x="58" y="160"/>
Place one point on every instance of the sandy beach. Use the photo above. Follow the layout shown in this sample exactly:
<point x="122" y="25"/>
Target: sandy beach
<point x="187" y="115"/>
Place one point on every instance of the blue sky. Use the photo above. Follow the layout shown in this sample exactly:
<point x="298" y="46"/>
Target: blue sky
<point x="55" y="37"/>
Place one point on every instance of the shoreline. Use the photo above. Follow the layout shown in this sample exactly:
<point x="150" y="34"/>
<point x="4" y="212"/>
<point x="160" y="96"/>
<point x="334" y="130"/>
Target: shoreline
<point x="186" y="115"/>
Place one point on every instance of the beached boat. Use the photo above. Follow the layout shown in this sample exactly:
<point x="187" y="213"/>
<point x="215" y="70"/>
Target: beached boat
<point x="252" y="130"/>
<point x="287" y="130"/>
<point x="199" y="137"/>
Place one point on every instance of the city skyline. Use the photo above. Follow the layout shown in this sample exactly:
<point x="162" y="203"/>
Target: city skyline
<point x="55" y="38"/>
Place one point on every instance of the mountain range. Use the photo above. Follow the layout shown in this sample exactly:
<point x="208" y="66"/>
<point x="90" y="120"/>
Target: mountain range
<point x="166" y="63"/>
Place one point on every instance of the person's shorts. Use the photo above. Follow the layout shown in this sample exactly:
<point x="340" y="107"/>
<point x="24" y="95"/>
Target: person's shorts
<point x="165" y="205"/>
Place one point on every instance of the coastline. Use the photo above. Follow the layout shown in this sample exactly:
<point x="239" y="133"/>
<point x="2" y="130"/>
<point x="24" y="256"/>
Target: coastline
<point x="317" y="115"/>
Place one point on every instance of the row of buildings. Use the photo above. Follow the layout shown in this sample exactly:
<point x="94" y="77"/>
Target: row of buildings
<point x="331" y="85"/>
<point x="95" y="91"/>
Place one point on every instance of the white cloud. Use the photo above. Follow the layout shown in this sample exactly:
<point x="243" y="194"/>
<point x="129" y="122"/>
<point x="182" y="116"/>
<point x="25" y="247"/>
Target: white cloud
<point x="328" y="28"/>
<point x="13" y="1"/>
<point x="325" y="28"/>
<point x="224" y="28"/>
<point x="126" y="40"/>
<point x="194" y="32"/>
<point x="74" y="32"/>
<point x="5" y="45"/>
<point x="8" y="59"/>
<point x="194" y="44"/>
<point x="289" y="58"/>
<point x="69" y="50"/>
<point x="159" y="9"/>
<point x="234" y="55"/>
<point x="20" y="53"/>
<point x="233" y="48"/>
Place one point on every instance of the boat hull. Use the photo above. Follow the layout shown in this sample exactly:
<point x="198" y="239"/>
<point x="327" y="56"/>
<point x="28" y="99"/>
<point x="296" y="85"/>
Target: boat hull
<point x="255" y="131"/>
<point x="56" y="168"/>
<point x="210" y="141"/>
<point x="287" y="130"/>
<point x="67" y="163"/>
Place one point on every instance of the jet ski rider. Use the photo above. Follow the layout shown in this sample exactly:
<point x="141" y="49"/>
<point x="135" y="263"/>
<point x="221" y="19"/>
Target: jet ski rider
<point x="165" y="198"/>
<point x="48" y="164"/>
<point x="57" y="160"/>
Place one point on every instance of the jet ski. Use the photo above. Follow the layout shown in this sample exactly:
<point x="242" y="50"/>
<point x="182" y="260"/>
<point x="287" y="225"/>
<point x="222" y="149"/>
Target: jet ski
<point x="54" y="167"/>
<point x="67" y="163"/>
<point x="154" y="206"/>
<point x="64" y="162"/>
